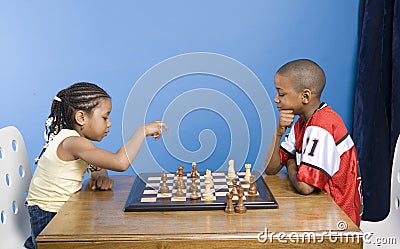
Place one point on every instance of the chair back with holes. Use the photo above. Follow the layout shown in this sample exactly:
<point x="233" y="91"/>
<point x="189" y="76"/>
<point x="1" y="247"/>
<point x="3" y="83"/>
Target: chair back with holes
<point x="15" y="176"/>
<point x="386" y="233"/>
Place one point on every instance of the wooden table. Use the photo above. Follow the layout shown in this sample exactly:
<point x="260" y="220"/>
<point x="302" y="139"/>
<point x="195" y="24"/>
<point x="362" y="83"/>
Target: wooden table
<point x="95" y="219"/>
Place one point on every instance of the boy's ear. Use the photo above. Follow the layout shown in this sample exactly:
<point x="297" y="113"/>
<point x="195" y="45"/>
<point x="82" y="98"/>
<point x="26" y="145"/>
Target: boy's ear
<point x="306" y="96"/>
<point x="80" y="117"/>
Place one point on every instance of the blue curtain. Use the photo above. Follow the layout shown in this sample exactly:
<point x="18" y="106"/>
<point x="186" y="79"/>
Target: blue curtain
<point x="376" y="123"/>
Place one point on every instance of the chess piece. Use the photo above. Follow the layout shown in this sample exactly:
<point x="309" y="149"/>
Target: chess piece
<point x="248" y="173"/>
<point x="179" y="177"/>
<point x="180" y="170"/>
<point x="240" y="207"/>
<point x="193" y="186"/>
<point x="234" y="187"/>
<point x="180" y="182"/>
<point x="207" y="194"/>
<point x="208" y="172"/>
<point x="229" y="205"/>
<point x="194" y="173"/>
<point x="253" y="186"/>
<point x="164" y="187"/>
<point x="179" y="192"/>
<point x="231" y="171"/>
<point x="208" y="175"/>
<point x="194" y="195"/>
<point x="239" y="185"/>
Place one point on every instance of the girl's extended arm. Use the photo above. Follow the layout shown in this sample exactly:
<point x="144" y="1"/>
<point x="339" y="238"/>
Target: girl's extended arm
<point x="80" y="147"/>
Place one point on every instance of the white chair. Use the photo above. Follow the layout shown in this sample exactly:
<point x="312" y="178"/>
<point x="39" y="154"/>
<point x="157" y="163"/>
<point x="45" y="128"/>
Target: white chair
<point x="386" y="233"/>
<point x="15" y="176"/>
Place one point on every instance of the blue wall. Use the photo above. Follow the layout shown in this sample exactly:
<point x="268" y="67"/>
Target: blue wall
<point x="47" y="45"/>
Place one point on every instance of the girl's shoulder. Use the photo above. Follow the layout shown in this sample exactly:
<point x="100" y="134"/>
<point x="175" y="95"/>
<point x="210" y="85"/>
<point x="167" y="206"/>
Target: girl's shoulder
<point x="67" y="133"/>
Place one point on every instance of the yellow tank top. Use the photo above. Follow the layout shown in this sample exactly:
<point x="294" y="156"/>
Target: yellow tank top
<point x="55" y="180"/>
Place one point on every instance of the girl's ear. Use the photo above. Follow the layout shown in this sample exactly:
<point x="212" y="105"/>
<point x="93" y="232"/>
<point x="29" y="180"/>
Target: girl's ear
<point x="306" y="96"/>
<point x="80" y="117"/>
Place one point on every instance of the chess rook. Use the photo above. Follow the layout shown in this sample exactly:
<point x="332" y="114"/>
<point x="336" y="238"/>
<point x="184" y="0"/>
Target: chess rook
<point x="248" y="173"/>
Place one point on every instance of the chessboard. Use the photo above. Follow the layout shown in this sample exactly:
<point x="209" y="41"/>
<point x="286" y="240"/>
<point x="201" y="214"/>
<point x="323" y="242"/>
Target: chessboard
<point x="145" y="193"/>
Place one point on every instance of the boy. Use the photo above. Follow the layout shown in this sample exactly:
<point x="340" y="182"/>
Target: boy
<point x="318" y="151"/>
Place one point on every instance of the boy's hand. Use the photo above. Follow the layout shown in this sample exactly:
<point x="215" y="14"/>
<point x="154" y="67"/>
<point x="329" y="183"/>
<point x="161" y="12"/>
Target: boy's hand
<point x="286" y="118"/>
<point x="154" y="129"/>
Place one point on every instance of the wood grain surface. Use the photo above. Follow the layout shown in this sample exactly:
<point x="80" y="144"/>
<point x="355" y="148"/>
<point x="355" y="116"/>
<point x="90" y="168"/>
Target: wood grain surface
<point x="95" y="219"/>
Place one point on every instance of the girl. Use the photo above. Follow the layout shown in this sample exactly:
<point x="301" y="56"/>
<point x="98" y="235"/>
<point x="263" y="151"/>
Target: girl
<point x="79" y="115"/>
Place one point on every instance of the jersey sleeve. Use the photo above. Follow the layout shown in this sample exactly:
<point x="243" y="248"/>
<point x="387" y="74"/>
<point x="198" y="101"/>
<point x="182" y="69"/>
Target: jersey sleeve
<point x="320" y="158"/>
<point x="288" y="147"/>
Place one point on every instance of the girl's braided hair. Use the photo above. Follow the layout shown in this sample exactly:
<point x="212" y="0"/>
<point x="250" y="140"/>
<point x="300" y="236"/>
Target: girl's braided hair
<point x="79" y="96"/>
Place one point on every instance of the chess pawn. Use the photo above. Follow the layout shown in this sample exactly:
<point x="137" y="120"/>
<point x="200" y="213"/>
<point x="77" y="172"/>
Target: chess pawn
<point x="180" y="170"/>
<point x="239" y="185"/>
<point x="207" y="194"/>
<point x="183" y="182"/>
<point x="229" y="205"/>
<point x="253" y="186"/>
<point x="234" y="187"/>
<point x="194" y="195"/>
<point x="179" y="192"/>
<point x="194" y="173"/>
<point x="164" y="187"/>
<point x="180" y="183"/>
<point x="193" y="186"/>
<point x="240" y="207"/>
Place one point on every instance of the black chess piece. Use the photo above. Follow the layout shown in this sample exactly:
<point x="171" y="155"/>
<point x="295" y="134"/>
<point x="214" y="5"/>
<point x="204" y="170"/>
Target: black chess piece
<point x="234" y="188"/>
<point x="194" y="173"/>
<point x="253" y="186"/>
<point x="229" y="205"/>
<point x="240" y="207"/>
<point x="164" y="187"/>
<point x="179" y="192"/>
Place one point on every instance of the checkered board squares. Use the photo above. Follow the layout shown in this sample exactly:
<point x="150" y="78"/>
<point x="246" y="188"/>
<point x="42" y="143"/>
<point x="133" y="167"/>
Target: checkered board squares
<point x="219" y="189"/>
<point x="145" y="194"/>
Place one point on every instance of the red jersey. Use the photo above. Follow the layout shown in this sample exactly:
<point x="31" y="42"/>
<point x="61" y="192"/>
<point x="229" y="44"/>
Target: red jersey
<point x="326" y="158"/>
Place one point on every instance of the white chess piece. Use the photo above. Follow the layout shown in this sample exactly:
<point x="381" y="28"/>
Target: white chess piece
<point x="247" y="175"/>
<point x="209" y="175"/>
<point x="231" y="171"/>
<point x="207" y="194"/>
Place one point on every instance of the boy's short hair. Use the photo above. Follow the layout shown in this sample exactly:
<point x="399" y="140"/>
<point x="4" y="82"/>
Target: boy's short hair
<point x="304" y="74"/>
